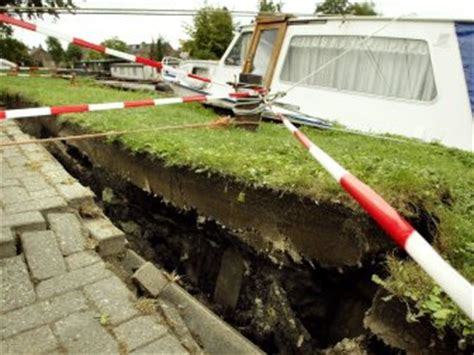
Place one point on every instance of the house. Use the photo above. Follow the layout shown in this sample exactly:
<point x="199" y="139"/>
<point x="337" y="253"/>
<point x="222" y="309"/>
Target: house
<point x="41" y="58"/>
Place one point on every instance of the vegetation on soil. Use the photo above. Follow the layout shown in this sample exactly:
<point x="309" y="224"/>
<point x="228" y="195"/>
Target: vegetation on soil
<point x="412" y="176"/>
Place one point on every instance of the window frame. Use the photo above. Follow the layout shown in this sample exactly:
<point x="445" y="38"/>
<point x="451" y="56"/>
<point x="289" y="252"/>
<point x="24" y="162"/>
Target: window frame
<point x="243" y="33"/>
<point x="434" y="100"/>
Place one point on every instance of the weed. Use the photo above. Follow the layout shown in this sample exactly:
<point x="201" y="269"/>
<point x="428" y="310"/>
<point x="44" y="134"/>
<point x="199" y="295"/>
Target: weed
<point x="146" y="306"/>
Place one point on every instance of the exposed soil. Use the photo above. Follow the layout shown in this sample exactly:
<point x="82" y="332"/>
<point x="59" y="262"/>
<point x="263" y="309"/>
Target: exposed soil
<point x="292" y="275"/>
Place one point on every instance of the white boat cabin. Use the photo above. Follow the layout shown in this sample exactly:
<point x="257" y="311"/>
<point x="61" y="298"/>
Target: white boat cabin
<point x="133" y="71"/>
<point x="409" y="77"/>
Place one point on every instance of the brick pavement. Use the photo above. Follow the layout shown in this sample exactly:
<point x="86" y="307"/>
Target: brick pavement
<point x="57" y="294"/>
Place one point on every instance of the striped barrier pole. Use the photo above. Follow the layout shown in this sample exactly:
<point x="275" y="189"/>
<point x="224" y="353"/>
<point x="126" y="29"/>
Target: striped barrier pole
<point x="455" y="285"/>
<point x="78" y="42"/>
<point x="61" y="110"/>
<point x="95" y="47"/>
<point x="29" y="75"/>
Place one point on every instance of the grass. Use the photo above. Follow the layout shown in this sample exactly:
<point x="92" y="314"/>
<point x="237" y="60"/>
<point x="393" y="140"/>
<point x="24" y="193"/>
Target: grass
<point x="438" y="179"/>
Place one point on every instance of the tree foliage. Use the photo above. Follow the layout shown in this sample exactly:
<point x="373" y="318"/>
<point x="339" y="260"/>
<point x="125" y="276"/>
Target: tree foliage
<point x="55" y="49"/>
<point x="73" y="54"/>
<point x="210" y="34"/>
<point x="113" y="43"/>
<point x="15" y="51"/>
<point x="161" y="48"/>
<point x="32" y="9"/>
<point x="345" y="7"/>
<point x="269" y="6"/>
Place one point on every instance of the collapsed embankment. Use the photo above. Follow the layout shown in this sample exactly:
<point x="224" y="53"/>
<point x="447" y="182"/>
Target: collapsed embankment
<point x="292" y="274"/>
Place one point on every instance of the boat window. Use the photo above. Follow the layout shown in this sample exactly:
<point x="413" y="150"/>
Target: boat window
<point x="239" y="50"/>
<point x="264" y="51"/>
<point x="392" y="67"/>
<point x="201" y="71"/>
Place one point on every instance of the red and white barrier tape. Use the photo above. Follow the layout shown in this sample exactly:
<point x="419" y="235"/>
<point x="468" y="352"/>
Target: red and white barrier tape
<point x="28" y="75"/>
<point x="61" y="110"/>
<point x="455" y="285"/>
<point x="95" y="47"/>
<point x="79" y="42"/>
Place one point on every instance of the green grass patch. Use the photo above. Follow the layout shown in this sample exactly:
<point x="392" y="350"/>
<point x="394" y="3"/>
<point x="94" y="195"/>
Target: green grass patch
<point x="438" y="179"/>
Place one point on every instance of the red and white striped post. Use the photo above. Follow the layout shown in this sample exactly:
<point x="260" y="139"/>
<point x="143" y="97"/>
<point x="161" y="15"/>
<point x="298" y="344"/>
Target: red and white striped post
<point x="61" y="110"/>
<point x="79" y="42"/>
<point x="455" y="285"/>
<point x="27" y="75"/>
<point x="95" y="47"/>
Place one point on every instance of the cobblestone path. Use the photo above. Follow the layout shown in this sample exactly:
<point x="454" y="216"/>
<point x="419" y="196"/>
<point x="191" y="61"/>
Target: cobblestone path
<point x="57" y="294"/>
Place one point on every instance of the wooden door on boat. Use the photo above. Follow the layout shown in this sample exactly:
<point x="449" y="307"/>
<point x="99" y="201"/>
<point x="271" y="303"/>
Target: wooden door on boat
<point x="265" y="47"/>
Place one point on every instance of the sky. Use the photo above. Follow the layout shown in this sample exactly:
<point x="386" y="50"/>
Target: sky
<point x="137" y="29"/>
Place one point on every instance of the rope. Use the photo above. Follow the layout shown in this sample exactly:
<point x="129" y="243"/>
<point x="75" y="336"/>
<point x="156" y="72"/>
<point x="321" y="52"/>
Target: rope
<point x="222" y="122"/>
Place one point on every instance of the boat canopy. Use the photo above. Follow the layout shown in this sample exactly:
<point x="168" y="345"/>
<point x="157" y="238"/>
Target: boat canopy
<point x="465" y="34"/>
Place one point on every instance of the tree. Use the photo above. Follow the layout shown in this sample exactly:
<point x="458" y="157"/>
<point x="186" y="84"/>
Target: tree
<point x="32" y="8"/>
<point x="73" y="54"/>
<point x="269" y="6"/>
<point x="345" y="7"/>
<point x="210" y="34"/>
<point x="160" y="49"/>
<point x="55" y="50"/>
<point x="152" y="53"/>
<point x="15" y="51"/>
<point x="364" y="9"/>
<point x="113" y="43"/>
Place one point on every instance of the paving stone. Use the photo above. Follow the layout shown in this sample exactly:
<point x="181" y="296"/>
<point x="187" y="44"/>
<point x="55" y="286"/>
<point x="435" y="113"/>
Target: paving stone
<point x="38" y="195"/>
<point x="111" y="240"/>
<point x="165" y="345"/>
<point x="72" y="280"/>
<point x="42" y="254"/>
<point x="215" y="335"/>
<point x="20" y="136"/>
<point x="11" y="151"/>
<point x="12" y="194"/>
<point x="33" y="148"/>
<point x="49" y="166"/>
<point x="174" y="320"/>
<point x="16" y="161"/>
<point x="139" y="331"/>
<point x="113" y="298"/>
<point x="41" y="313"/>
<point x="37" y="155"/>
<point x="45" y="204"/>
<point x="70" y="232"/>
<point x="76" y="194"/>
<point x="35" y="183"/>
<point x="22" y="222"/>
<point x="132" y="261"/>
<point x="150" y="279"/>
<point x="16" y="289"/>
<point x="82" y="259"/>
<point x="18" y="173"/>
<point x="7" y="243"/>
<point x="82" y="333"/>
<point x="58" y="176"/>
<point x="8" y="182"/>
<point x="36" y="341"/>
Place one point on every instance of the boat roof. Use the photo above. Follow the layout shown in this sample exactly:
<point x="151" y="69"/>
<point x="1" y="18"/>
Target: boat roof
<point x="407" y="18"/>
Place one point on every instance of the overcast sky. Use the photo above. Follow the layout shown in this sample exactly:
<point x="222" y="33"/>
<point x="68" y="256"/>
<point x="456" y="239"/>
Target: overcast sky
<point x="135" y="29"/>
